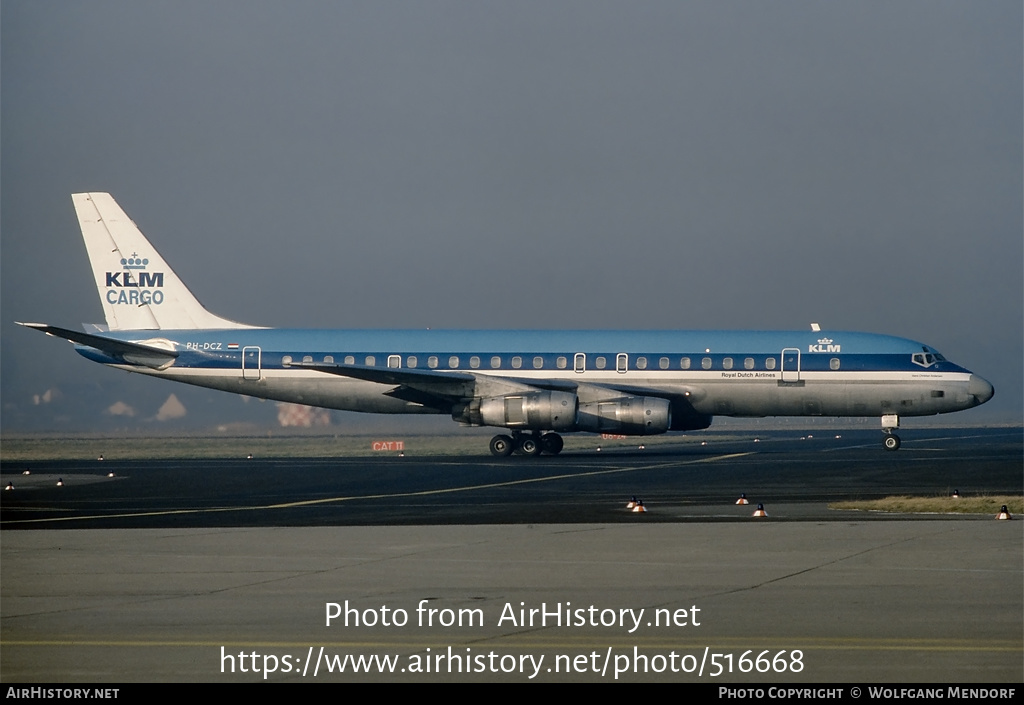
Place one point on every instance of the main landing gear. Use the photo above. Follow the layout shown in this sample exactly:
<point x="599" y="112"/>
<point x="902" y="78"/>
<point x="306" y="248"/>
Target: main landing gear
<point x="526" y="444"/>
<point x="891" y="440"/>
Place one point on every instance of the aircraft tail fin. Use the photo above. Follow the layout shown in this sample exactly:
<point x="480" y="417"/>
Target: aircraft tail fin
<point x="136" y="287"/>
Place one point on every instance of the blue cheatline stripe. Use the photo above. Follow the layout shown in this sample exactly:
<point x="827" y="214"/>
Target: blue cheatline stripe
<point x="480" y="342"/>
<point x="550" y="361"/>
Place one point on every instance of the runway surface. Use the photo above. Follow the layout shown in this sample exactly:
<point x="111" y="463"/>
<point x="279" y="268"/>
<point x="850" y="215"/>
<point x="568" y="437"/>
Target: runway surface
<point x="209" y="571"/>
<point x="793" y="475"/>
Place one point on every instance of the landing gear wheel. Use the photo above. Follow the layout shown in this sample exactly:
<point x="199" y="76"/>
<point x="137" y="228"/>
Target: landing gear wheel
<point x="528" y="445"/>
<point x="891" y="441"/>
<point x="502" y="445"/>
<point x="551" y="443"/>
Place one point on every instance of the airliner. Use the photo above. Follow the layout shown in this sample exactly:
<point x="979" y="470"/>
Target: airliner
<point x="533" y="384"/>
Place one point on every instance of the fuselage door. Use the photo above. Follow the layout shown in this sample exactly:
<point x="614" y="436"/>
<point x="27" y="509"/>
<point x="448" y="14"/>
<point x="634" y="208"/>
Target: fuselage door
<point x="791" y="364"/>
<point x="621" y="363"/>
<point x="251" y="362"/>
<point x="579" y="362"/>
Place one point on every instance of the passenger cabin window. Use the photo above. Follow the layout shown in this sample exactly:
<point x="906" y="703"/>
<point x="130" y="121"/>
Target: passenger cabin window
<point x="432" y="361"/>
<point x="600" y="363"/>
<point x="579" y="362"/>
<point x="371" y="361"/>
<point x="307" y="358"/>
<point x="286" y="360"/>
<point x="684" y="364"/>
<point x="474" y="362"/>
<point x="769" y="364"/>
<point x="621" y="362"/>
<point x="350" y="360"/>
<point x="727" y="363"/>
<point x="641" y="363"/>
<point x="706" y="363"/>
<point x="663" y="363"/>
<point x="329" y="359"/>
<point x="495" y="362"/>
<point x="517" y="362"/>
<point x="561" y="362"/>
<point x="394" y="361"/>
<point x="748" y="363"/>
<point x="453" y="361"/>
<point x="833" y="364"/>
<point x="538" y="362"/>
<point x="411" y="361"/>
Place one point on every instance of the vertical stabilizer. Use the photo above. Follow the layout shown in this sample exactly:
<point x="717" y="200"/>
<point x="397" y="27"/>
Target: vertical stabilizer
<point x="136" y="287"/>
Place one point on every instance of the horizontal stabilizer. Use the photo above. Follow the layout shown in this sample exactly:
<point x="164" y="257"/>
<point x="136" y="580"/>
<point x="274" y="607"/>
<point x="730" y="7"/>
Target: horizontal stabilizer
<point x="132" y="353"/>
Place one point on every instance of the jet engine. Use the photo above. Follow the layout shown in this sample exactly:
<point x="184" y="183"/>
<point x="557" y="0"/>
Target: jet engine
<point x="554" y="411"/>
<point x="632" y="416"/>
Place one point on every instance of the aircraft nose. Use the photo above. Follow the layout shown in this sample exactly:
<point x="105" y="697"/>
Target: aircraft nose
<point x="980" y="389"/>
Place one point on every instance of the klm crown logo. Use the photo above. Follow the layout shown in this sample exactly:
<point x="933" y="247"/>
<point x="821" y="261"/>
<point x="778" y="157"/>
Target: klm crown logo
<point x="134" y="262"/>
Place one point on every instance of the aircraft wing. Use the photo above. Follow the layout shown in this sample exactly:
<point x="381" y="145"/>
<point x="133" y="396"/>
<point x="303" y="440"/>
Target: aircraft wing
<point x="427" y="384"/>
<point x="440" y="389"/>
<point x="149" y="355"/>
<point x="434" y="388"/>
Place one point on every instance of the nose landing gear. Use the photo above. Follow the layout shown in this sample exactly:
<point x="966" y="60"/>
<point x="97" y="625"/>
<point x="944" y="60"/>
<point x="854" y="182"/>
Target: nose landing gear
<point x="891" y="440"/>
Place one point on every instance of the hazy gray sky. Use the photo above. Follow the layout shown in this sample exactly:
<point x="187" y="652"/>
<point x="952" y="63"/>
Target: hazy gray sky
<point x="518" y="164"/>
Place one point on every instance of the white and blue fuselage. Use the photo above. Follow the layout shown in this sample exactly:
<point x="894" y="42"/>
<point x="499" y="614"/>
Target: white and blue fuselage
<point x="535" y="383"/>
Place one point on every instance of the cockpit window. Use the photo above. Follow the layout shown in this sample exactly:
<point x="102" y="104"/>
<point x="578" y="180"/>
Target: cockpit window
<point x="924" y="359"/>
